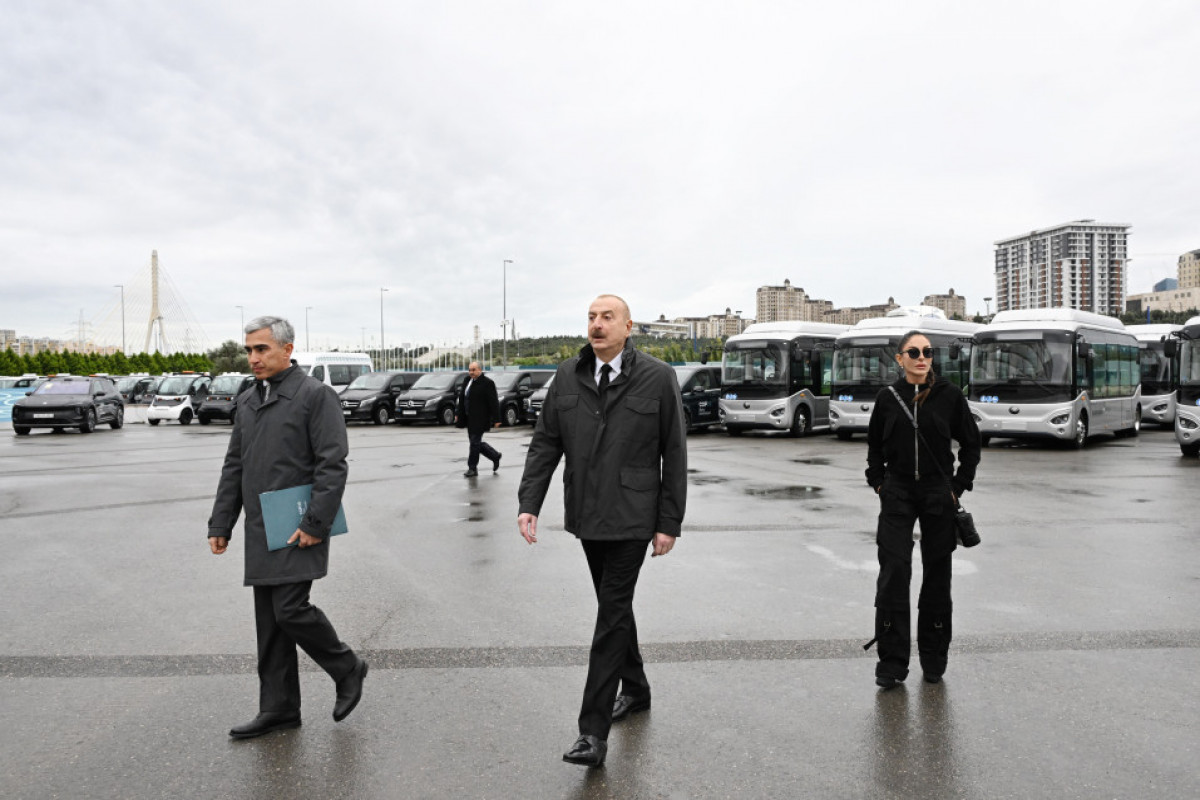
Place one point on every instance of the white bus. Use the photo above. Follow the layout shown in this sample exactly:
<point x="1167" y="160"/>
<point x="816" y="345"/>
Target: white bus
<point x="1159" y="372"/>
<point x="334" y="369"/>
<point x="1186" y="346"/>
<point x="775" y="376"/>
<point x="1057" y="373"/>
<point x="864" y="361"/>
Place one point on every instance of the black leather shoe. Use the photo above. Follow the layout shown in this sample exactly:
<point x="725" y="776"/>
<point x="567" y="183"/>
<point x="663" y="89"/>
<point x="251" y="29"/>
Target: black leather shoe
<point x="496" y="463"/>
<point x="471" y="473"/>
<point x="587" y="750"/>
<point x="626" y="705"/>
<point x="931" y="678"/>
<point x="887" y="681"/>
<point x="266" y="722"/>
<point x="349" y="692"/>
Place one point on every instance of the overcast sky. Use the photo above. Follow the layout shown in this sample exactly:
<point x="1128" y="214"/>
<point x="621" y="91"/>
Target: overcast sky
<point x="280" y="155"/>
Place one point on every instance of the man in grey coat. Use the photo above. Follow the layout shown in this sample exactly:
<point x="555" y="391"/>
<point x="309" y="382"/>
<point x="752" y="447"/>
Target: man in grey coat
<point x="288" y="432"/>
<point x="617" y="416"/>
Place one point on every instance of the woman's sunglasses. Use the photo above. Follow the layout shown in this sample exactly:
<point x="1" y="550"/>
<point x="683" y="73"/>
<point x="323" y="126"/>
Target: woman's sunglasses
<point x="913" y="352"/>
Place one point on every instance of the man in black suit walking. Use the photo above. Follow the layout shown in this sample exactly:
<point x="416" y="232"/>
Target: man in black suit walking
<point x="617" y="416"/>
<point x="478" y="409"/>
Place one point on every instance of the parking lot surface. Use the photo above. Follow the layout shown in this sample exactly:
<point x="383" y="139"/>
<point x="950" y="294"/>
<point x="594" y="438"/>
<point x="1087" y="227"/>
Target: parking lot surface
<point x="127" y="648"/>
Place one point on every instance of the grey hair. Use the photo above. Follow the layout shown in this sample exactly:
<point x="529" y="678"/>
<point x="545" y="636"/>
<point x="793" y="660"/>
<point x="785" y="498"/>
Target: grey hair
<point x="281" y="330"/>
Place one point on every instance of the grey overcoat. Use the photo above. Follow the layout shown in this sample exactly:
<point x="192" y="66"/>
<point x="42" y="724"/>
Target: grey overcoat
<point x="296" y="437"/>
<point x="626" y="471"/>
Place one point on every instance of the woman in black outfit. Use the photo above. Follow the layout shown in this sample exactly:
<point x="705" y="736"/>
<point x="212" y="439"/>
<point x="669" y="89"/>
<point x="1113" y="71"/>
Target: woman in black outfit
<point x="916" y="480"/>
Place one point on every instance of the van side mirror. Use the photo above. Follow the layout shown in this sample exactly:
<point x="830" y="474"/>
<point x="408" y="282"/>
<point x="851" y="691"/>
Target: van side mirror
<point x="1171" y="347"/>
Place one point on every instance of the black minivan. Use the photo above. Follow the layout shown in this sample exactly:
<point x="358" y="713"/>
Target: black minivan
<point x="431" y="398"/>
<point x="701" y="389"/>
<point x="514" y="388"/>
<point x="372" y="396"/>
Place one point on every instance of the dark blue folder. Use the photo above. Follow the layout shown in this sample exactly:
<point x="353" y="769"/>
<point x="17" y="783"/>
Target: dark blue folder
<point x="282" y="511"/>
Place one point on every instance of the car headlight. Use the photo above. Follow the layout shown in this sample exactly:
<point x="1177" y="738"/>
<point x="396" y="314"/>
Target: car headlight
<point x="431" y="403"/>
<point x="366" y="400"/>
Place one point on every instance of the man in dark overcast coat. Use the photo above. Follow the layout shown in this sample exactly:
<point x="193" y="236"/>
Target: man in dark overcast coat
<point x="477" y="410"/>
<point x="617" y="416"/>
<point x="288" y="432"/>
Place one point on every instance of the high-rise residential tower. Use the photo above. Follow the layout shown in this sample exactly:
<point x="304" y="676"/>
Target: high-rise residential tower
<point x="1081" y="264"/>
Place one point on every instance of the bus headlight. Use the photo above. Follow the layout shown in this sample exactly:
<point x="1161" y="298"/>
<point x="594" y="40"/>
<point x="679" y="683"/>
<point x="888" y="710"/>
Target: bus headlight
<point x="834" y="414"/>
<point x="776" y="412"/>
<point x="1061" y="419"/>
<point x="978" y="419"/>
<point x="1187" y="423"/>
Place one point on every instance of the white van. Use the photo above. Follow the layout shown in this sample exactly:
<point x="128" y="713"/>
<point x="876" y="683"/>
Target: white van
<point x="334" y="369"/>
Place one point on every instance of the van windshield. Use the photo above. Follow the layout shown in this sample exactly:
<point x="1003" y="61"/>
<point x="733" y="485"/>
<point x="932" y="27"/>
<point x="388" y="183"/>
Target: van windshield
<point x="370" y="381"/>
<point x="435" y="380"/>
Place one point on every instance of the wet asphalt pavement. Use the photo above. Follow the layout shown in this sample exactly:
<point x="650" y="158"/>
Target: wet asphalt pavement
<point x="127" y="648"/>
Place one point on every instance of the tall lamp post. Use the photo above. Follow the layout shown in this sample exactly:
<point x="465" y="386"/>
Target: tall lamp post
<point x="504" y="295"/>
<point x="121" y="286"/>
<point x="242" y="326"/>
<point x="988" y="300"/>
<point x="306" y="310"/>
<point x="382" y="357"/>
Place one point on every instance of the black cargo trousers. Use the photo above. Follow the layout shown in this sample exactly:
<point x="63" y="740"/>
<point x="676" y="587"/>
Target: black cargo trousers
<point x="902" y="505"/>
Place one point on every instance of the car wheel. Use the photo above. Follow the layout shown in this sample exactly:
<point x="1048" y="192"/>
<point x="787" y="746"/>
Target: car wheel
<point x="89" y="421"/>
<point x="203" y="420"/>
<point x="1081" y="432"/>
<point x="800" y="426"/>
<point x="446" y="415"/>
<point x="380" y="415"/>
<point x="510" y="416"/>
<point x="687" y="420"/>
<point x="21" y="430"/>
<point x="845" y="436"/>
<point x="186" y="417"/>
<point x="154" y="421"/>
<point x="119" y="419"/>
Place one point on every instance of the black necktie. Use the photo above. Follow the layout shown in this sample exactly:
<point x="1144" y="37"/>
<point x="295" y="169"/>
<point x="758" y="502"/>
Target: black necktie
<point x="605" y="371"/>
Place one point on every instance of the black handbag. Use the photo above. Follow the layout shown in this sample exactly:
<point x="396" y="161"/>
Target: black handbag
<point x="964" y="523"/>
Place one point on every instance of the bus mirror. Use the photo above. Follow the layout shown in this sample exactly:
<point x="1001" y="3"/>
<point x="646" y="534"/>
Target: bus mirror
<point x="955" y="351"/>
<point x="704" y="357"/>
<point x="1081" y="349"/>
<point x="1170" y="347"/>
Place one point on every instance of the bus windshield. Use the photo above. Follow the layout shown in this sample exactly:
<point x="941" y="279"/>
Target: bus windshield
<point x="1156" y="369"/>
<point x="864" y="365"/>
<point x="1024" y="366"/>
<point x="757" y="363"/>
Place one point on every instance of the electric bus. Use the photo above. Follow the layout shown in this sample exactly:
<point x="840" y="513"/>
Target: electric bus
<point x="1160" y="372"/>
<point x="864" y="360"/>
<point x="1055" y="372"/>
<point x="1186" y="345"/>
<point x="775" y="376"/>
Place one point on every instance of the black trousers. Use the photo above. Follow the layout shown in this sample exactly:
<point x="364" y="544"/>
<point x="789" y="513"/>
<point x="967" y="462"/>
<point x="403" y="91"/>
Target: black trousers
<point x="284" y="619"/>
<point x="615" y="661"/>
<point x="478" y="445"/>
<point x="902" y="505"/>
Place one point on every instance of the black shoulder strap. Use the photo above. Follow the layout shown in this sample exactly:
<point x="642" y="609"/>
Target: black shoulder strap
<point x="913" y="420"/>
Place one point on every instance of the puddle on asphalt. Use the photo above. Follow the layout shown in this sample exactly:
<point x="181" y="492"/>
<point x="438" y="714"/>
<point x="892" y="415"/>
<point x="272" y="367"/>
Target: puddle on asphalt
<point x="816" y="462"/>
<point x="784" y="492"/>
<point x="696" y="478"/>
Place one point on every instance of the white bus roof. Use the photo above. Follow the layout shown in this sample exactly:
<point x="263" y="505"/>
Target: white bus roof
<point x="1061" y="318"/>
<point x="1192" y="326"/>
<point x="788" y="329"/>
<point x="1151" y="333"/>
<point x="902" y="324"/>
<point x="317" y="358"/>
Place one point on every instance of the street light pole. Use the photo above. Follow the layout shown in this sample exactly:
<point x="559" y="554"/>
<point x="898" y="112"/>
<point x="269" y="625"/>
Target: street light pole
<point x="988" y="300"/>
<point x="121" y="286"/>
<point x="507" y="261"/>
<point x="382" y="357"/>
<point x="306" y="310"/>
<point x="242" y="328"/>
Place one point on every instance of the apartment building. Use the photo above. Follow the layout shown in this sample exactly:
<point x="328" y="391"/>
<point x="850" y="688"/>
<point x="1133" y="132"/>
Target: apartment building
<point x="1189" y="270"/>
<point x="786" y="302"/>
<point x="1080" y="264"/>
<point x="953" y="305"/>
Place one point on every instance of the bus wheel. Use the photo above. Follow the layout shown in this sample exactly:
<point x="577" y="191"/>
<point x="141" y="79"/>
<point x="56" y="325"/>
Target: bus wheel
<point x="800" y="426"/>
<point x="845" y="436"/>
<point x="1081" y="432"/>
<point x="1190" y="450"/>
<point x="734" y="430"/>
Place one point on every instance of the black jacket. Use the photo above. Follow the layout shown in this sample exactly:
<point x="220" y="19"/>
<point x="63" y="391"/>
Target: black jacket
<point x="895" y="453"/>
<point x="479" y="409"/>
<point x="297" y="437"/>
<point x="626" y="465"/>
